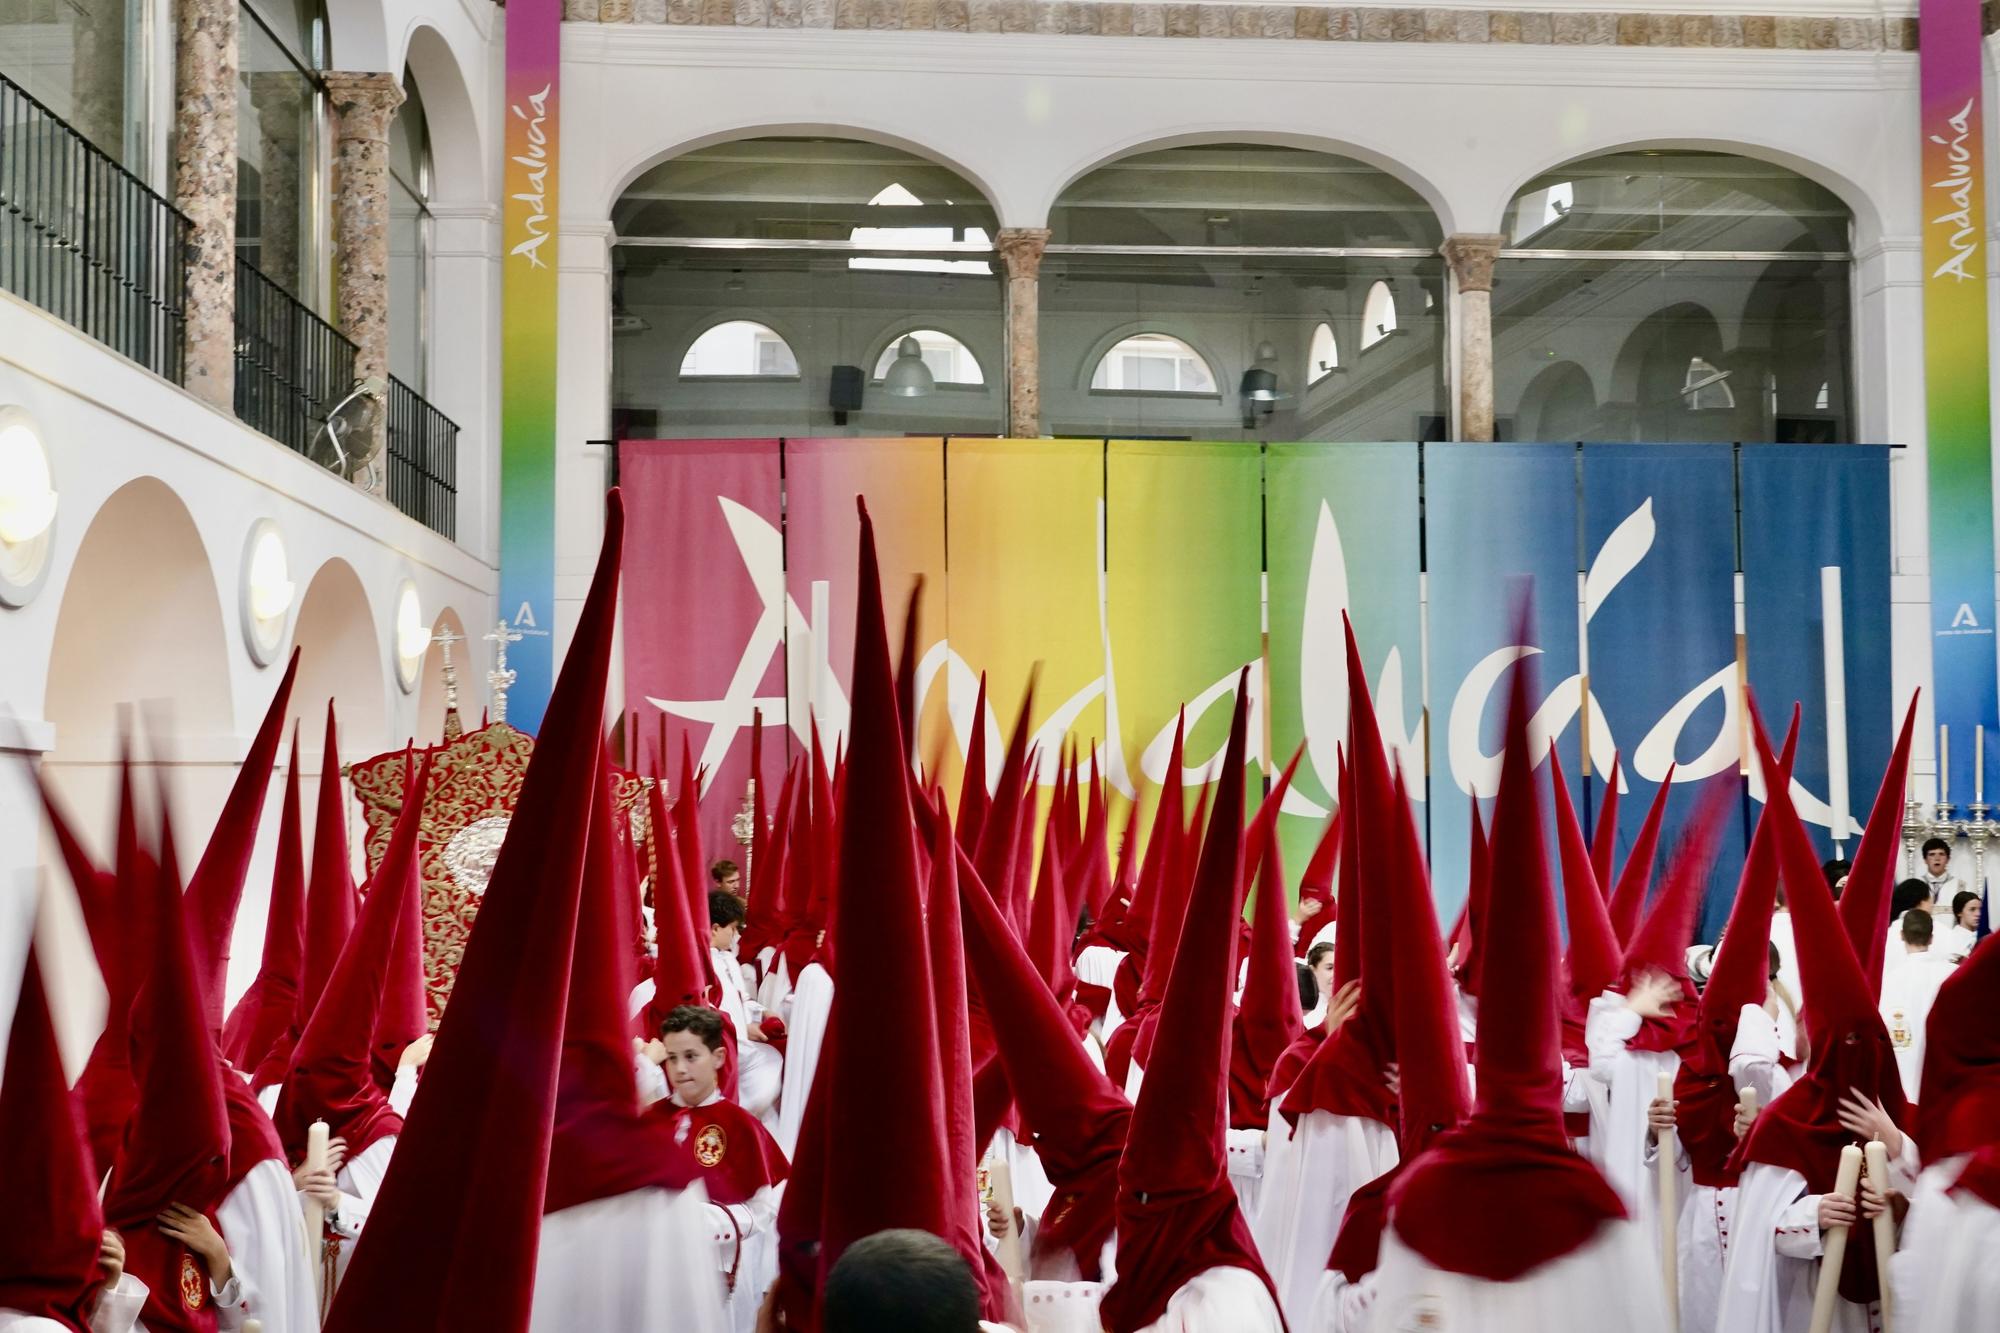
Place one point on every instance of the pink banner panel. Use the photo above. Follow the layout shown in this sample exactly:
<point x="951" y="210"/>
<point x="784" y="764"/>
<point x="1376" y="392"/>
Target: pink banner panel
<point x="704" y="613"/>
<point x="903" y="481"/>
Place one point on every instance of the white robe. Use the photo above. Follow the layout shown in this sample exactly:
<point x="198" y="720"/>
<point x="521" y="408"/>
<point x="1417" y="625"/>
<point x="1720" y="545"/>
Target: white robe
<point x="744" y="1237"/>
<point x="1098" y="966"/>
<point x="1708" y="1219"/>
<point x="116" y="1310"/>
<point x="1219" y="1300"/>
<point x="359" y="1180"/>
<point x="1788" y="976"/>
<point x="1774" y="1253"/>
<point x="265" y="1228"/>
<point x="1309" y="1175"/>
<point x="1909" y="988"/>
<point x="811" y="1003"/>
<point x="638" y="1260"/>
<point x="1246" y="1167"/>
<point x="1944" y="1275"/>
<point x="1619" y="1135"/>
<point x="1611" y="1282"/>
<point x="761" y="1068"/>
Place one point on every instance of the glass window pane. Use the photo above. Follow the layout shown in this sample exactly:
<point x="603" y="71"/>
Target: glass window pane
<point x="1662" y="200"/>
<point x="1236" y="314"/>
<point x="409" y="246"/>
<point x="1242" y="194"/>
<point x="685" y="321"/>
<point x="1695" y="350"/>
<point x="949" y="360"/>
<point x="277" y="161"/>
<point x="83" y="60"/>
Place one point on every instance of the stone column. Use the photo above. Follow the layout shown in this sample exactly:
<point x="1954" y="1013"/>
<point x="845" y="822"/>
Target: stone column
<point x="1021" y="251"/>
<point x="205" y="60"/>
<point x="363" y="104"/>
<point x="1471" y="258"/>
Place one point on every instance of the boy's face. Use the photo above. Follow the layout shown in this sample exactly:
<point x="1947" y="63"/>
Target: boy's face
<point x="1968" y="915"/>
<point x="733" y="883"/>
<point x="692" y="1069"/>
<point x="724" y="937"/>
<point x="1936" y="859"/>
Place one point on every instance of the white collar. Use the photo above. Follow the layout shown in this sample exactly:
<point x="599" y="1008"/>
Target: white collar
<point x="709" y="1100"/>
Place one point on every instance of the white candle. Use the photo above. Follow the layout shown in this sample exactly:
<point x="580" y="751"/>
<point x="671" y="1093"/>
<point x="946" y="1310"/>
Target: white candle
<point x="1979" y="762"/>
<point x="316" y="1149"/>
<point x="1834" y="1245"/>
<point x="1876" y="1156"/>
<point x="1670" y="1264"/>
<point x="1944" y="764"/>
<point x="1834" y="659"/>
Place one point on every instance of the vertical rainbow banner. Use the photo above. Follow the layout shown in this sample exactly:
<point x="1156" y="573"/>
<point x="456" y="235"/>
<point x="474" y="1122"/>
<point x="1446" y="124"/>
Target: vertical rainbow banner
<point x="528" y="352"/>
<point x="1957" y="413"/>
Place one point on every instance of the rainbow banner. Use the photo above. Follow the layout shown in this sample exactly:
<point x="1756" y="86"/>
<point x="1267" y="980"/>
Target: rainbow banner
<point x="1957" y="413"/>
<point x="528" y="353"/>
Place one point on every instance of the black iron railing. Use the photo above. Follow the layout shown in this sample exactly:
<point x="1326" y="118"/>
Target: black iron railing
<point x="86" y="240"/>
<point x="292" y="367"/>
<point x="423" y="460"/>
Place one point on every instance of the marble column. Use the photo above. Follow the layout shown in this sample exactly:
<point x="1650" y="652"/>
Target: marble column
<point x="363" y="104"/>
<point x="1021" y="251"/>
<point x="205" y="61"/>
<point x="1471" y="257"/>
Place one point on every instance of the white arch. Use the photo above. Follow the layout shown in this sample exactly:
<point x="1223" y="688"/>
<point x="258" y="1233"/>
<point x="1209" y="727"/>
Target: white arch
<point x="737" y="316"/>
<point x="903" y="326"/>
<point x="1867" y="217"/>
<point x="459" y="167"/>
<point x="1263" y="136"/>
<point x="638" y="164"/>
<point x="1102" y="345"/>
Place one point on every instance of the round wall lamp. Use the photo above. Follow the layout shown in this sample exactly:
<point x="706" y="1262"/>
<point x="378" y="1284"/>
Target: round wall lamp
<point x="413" y="637"/>
<point x="267" y="591"/>
<point x="27" y="508"/>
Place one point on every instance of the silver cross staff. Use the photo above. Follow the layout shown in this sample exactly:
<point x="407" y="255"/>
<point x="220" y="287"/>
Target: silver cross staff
<point x="500" y="679"/>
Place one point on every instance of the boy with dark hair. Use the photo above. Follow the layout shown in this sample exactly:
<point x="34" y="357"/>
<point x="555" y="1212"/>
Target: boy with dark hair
<point x="760" y="1072"/>
<point x="906" y="1280"/>
<point x="1909" y="987"/>
<point x="733" y="1153"/>
<point x="1960" y="933"/>
<point x="727" y="876"/>
<point x="1937" y="870"/>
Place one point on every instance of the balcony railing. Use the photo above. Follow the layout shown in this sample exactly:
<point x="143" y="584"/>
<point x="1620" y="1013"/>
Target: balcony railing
<point x="86" y="240"/>
<point x="292" y="367"/>
<point x="423" y="460"/>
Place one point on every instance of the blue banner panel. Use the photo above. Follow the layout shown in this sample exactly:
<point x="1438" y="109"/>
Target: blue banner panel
<point x="1807" y="508"/>
<point x="1340" y="535"/>
<point x="1500" y="520"/>
<point x="1659" y="543"/>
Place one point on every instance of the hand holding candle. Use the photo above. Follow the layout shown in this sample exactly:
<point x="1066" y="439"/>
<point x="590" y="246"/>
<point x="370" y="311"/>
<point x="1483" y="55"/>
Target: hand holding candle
<point x="316" y="1146"/>
<point x="1834" y="1246"/>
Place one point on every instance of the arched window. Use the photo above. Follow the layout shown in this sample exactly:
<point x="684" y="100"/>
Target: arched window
<point x="1378" y="315"/>
<point x="1323" y="357"/>
<point x="1747" y="335"/>
<point x="917" y="237"/>
<point x="949" y="360"/>
<point x="1153" y="363"/>
<point x="409" y="237"/>
<point x="1706" y="388"/>
<point x="739" y="349"/>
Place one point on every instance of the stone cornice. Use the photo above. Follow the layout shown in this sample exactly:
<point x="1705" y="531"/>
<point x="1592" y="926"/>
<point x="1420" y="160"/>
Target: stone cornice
<point x="1858" y="29"/>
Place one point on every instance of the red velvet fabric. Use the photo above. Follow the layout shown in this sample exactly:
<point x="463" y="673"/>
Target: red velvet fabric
<point x="1268" y="1018"/>
<point x="1635" y="881"/>
<point x="263" y="1016"/>
<point x="1864" y="903"/>
<point x="1961" y="1081"/>
<point x="724" y="1146"/>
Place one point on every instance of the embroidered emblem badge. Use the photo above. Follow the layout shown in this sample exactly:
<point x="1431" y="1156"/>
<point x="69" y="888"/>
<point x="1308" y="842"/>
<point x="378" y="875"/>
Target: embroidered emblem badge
<point x="194" y="1291"/>
<point x="710" y="1145"/>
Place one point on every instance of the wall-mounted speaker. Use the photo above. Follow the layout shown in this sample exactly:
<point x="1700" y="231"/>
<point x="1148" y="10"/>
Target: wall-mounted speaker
<point x="844" y="393"/>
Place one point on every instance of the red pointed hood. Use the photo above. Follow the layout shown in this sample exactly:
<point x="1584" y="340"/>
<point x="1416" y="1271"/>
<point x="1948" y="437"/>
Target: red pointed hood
<point x="999" y="855"/>
<point x="974" y="797"/>
<point x="1864" y="904"/>
<point x="1604" y="840"/>
<point x="1177" y="1212"/>
<point x="405" y="1013"/>
<point x="906" y="668"/>
<point x="886" y="1086"/>
<point x="1635" y="881"/>
<point x="1850" y="1050"/>
<point x="1705" y="1093"/>
<point x="1345" y="1075"/>
<point x="331" y="1077"/>
<point x="1167" y="903"/>
<point x="1077" y="1119"/>
<point x="944" y="937"/>
<point x="1431" y="1056"/>
<point x="763" y="909"/>
<point x="331" y="901"/>
<point x="1504" y="1194"/>
<point x="1051" y="915"/>
<point x="216" y="887"/>
<point x="263" y="1017"/>
<point x="1960" y="1111"/>
<point x="1595" y="959"/>
<point x="1090" y="871"/>
<point x="694" y="865"/>
<point x="176" y="1146"/>
<point x="451" y="1241"/>
<point x="680" y="953"/>
<point x="1316" y="896"/>
<point x="51" y="1227"/>
<point x="1661" y="942"/>
<point x="601" y="1146"/>
<point x="1268" y="1018"/>
<point x="1468" y="933"/>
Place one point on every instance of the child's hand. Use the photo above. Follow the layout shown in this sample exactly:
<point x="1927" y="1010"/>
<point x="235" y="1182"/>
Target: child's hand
<point x="318" y="1186"/>
<point x="1745" y="1117"/>
<point x="1659" y="1115"/>
<point x="111" y="1257"/>
<point x="1835" y="1210"/>
<point x="1867" y="1120"/>
<point x="336" y="1154"/>
<point x="195" y="1231"/>
<point x="1652" y="994"/>
<point x="1346" y="1001"/>
<point x="416" y="1053"/>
